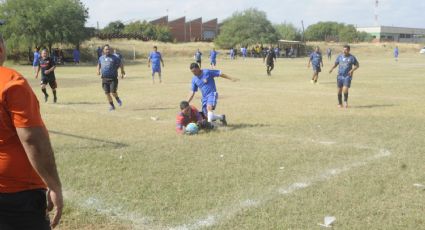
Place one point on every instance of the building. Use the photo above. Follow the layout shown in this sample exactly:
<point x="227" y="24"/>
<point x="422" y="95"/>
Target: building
<point x="194" y="30"/>
<point x="395" y="34"/>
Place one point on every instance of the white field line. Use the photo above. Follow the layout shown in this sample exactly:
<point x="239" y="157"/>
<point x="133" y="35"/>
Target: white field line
<point x="231" y="211"/>
<point x="94" y="204"/>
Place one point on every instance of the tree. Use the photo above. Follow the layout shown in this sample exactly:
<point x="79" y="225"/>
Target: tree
<point x="288" y="31"/>
<point x="115" y="27"/>
<point x="32" y="23"/>
<point x="248" y="27"/>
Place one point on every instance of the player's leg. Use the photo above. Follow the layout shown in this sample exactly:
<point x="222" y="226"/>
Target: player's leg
<point x="43" y="84"/>
<point x="114" y="91"/>
<point x="153" y="76"/>
<point x="159" y="75"/>
<point x="347" y="84"/>
<point x="211" y="104"/>
<point x="340" y="84"/>
<point x="271" y="68"/>
<point x="53" y="85"/>
<point x="106" y="85"/>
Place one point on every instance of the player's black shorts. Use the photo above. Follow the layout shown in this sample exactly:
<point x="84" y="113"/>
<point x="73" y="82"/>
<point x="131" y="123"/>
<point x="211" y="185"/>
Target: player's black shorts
<point x="24" y="210"/>
<point x="198" y="61"/>
<point x="271" y="64"/>
<point x="49" y="80"/>
<point x="110" y="85"/>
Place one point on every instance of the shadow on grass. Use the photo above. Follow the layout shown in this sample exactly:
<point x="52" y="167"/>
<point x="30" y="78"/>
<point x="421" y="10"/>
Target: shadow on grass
<point x="81" y="103"/>
<point x="114" y="144"/>
<point x="373" y="106"/>
<point x="159" y="108"/>
<point x="232" y="127"/>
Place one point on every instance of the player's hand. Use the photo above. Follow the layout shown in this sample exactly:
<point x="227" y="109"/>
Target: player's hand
<point x="350" y="73"/>
<point x="55" y="200"/>
<point x="122" y="75"/>
<point x="235" y="79"/>
<point x="330" y="71"/>
<point x="36" y="76"/>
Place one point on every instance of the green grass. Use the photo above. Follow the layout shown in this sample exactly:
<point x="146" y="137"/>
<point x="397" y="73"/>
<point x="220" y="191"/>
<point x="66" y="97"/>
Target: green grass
<point x="123" y="170"/>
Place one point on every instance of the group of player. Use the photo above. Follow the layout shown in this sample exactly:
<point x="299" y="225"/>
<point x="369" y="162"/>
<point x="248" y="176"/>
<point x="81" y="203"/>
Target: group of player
<point x="203" y="80"/>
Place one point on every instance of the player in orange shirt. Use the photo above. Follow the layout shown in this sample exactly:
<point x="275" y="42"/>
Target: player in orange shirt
<point x="27" y="163"/>
<point x="190" y="114"/>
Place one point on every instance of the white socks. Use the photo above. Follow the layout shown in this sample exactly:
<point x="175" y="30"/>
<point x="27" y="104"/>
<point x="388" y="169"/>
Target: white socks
<point x="213" y="117"/>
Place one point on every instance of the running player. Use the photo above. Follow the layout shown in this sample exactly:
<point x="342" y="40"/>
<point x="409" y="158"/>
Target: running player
<point x="396" y="53"/>
<point x="190" y="114"/>
<point x="198" y="57"/>
<point x="213" y="58"/>
<point x="107" y="68"/>
<point x="346" y="61"/>
<point x="156" y="59"/>
<point x="270" y="58"/>
<point x="317" y="62"/>
<point x="203" y="79"/>
<point x="47" y="67"/>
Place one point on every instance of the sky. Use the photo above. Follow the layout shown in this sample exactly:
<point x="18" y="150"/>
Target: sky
<point x="360" y="13"/>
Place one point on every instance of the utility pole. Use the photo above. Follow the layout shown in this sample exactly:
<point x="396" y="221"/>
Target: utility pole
<point x="302" y="26"/>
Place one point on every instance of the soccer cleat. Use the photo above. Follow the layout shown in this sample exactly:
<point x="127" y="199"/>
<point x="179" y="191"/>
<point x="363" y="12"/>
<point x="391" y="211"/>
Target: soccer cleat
<point x="55" y="99"/>
<point x="223" y="121"/>
<point x="46" y="97"/>
<point x="339" y="105"/>
<point x="119" y="102"/>
<point x="346" y="105"/>
<point x="111" y="108"/>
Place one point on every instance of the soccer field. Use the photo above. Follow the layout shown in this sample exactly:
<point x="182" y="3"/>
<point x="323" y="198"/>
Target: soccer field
<point x="288" y="158"/>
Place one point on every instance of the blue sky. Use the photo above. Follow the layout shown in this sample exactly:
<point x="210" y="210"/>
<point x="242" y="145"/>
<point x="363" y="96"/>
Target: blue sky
<point x="405" y="13"/>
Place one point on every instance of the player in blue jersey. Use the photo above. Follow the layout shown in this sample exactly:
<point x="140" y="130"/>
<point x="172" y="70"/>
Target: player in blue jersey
<point x="232" y="53"/>
<point x="346" y="61"/>
<point x="107" y="68"/>
<point x="396" y="53"/>
<point x="155" y="59"/>
<point x="36" y="59"/>
<point x="213" y="58"/>
<point x="203" y="79"/>
<point x="317" y="62"/>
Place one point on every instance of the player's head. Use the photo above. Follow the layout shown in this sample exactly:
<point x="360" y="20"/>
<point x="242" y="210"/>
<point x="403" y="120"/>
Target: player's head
<point x="317" y="49"/>
<point x="155" y="48"/>
<point x="44" y="53"/>
<point x="106" y="49"/>
<point x="346" y="49"/>
<point x="194" y="67"/>
<point x="2" y="51"/>
<point x="184" y="107"/>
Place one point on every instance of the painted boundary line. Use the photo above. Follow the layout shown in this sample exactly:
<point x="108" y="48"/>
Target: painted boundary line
<point x="231" y="211"/>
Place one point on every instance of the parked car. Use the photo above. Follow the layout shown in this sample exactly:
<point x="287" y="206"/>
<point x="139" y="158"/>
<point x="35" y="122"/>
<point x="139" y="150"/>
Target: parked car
<point x="422" y="51"/>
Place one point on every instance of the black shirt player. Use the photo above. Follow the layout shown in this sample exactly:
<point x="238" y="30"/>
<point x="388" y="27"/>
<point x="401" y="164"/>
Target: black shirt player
<point x="47" y="67"/>
<point x="270" y="58"/>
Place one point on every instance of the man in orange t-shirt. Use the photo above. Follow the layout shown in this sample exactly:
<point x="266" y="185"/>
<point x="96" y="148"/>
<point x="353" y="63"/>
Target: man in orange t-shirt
<point x="27" y="163"/>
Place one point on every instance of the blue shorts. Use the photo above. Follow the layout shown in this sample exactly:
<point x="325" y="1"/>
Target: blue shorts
<point x="210" y="99"/>
<point x="343" y="81"/>
<point x="213" y="62"/>
<point x="317" y="69"/>
<point x="156" y="69"/>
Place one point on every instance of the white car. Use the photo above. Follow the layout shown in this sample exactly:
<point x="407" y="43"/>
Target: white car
<point x="422" y="51"/>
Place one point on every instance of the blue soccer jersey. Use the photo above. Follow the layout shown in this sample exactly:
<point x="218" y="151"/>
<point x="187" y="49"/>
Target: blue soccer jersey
<point x="155" y="58"/>
<point x="213" y="55"/>
<point x="316" y="58"/>
<point x="36" y="58"/>
<point x="205" y="82"/>
<point x="345" y="64"/>
<point x="109" y="65"/>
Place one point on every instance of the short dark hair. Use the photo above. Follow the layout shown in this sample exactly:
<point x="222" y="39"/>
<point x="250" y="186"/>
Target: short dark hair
<point x="347" y="46"/>
<point x="184" y="104"/>
<point x="155" y="47"/>
<point x="194" y="66"/>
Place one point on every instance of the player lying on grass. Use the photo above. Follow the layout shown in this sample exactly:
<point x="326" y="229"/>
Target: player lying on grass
<point x="189" y="114"/>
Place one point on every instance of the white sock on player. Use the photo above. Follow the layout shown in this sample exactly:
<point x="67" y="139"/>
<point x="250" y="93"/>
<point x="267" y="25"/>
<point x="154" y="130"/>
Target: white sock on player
<point x="210" y="116"/>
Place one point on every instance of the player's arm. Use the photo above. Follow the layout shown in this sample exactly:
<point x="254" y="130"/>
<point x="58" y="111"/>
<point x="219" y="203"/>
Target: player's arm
<point x="356" y="66"/>
<point x="36" y="143"/>
<point x="191" y="95"/>
<point x="179" y="124"/>
<point x="162" y="61"/>
<point x="321" y="61"/>
<point x="98" y="69"/>
<point x="122" y="69"/>
<point x="149" y="61"/>
<point x="308" y="64"/>
<point x="333" y="67"/>
<point x="225" y="76"/>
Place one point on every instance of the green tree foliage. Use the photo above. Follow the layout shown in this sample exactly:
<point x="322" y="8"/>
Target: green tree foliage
<point x="248" y="27"/>
<point x="32" y="23"/>
<point x="288" y="31"/>
<point x="115" y="27"/>
<point x="335" y="31"/>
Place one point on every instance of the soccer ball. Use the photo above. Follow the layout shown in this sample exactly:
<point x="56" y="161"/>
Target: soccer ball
<point x="192" y="129"/>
